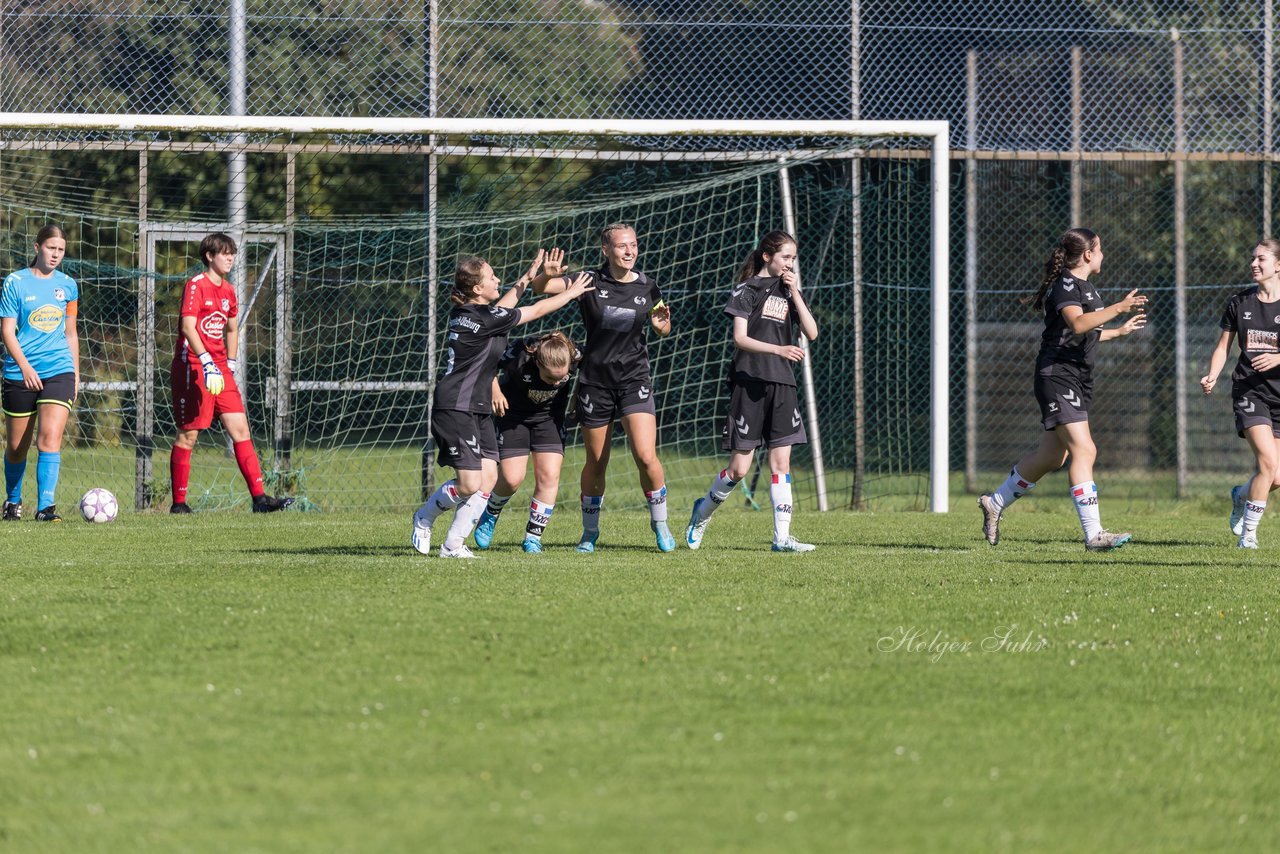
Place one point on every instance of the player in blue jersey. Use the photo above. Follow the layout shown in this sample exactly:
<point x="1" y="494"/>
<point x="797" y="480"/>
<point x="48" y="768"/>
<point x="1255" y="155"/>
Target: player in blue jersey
<point x="1075" y="319"/>
<point x="38" y="308"/>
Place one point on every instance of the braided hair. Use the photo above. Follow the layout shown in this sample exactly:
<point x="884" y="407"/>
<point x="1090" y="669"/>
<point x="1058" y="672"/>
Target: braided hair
<point x="1070" y="249"/>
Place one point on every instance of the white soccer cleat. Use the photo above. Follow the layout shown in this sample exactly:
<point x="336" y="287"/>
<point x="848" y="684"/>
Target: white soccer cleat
<point x="421" y="538"/>
<point x="1248" y="541"/>
<point x="1105" y="541"/>
<point x="460" y="551"/>
<point x="1238" y="495"/>
<point x="694" y="533"/>
<point x="791" y="544"/>
<point x="990" y="519"/>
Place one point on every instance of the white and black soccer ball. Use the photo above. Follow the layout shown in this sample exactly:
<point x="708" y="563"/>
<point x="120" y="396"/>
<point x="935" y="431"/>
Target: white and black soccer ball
<point x="99" y="505"/>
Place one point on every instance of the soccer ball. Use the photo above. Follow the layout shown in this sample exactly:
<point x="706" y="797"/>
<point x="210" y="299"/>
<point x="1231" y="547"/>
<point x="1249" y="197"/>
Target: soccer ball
<point x="99" y="505"/>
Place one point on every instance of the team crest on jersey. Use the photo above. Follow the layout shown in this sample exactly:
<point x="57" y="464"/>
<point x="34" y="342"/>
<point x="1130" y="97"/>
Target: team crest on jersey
<point x="45" y="318"/>
<point x="226" y="304"/>
<point x="775" y="308"/>
<point x="640" y="300"/>
<point x="212" y="325"/>
<point x="59" y="294"/>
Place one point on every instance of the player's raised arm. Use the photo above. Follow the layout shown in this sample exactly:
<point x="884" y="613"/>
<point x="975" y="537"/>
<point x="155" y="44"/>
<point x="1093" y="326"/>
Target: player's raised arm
<point x="554" y="276"/>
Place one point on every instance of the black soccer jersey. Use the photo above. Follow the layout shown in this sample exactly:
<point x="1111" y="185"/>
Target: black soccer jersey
<point x="1059" y="345"/>
<point x="616" y="315"/>
<point x="523" y="386"/>
<point x="477" y="337"/>
<point x="1257" y="328"/>
<point x="766" y="304"/>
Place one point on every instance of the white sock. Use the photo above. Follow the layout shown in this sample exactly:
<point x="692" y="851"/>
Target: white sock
<point x="592" y="505"/>
<point x="444" y="498"/>
<point x="1012" y="489"/>
<point x="721" y="488"/>
<point x="1085" y="495"/>
<point x="1253" y="511"/>
<point x="464" y="520"/>
<point x="496" y="503"/>
<point x="539" y="518"/>
<point x="657" y="504"/>
<point x="780" y="495"/>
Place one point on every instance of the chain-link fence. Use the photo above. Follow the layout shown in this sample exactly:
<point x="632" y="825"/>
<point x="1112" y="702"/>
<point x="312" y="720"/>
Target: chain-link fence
<point x="1152" y="123"/>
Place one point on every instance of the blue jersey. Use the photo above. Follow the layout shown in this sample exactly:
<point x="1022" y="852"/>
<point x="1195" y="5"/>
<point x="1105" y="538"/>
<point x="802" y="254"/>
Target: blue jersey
<point x="40" y="307"/>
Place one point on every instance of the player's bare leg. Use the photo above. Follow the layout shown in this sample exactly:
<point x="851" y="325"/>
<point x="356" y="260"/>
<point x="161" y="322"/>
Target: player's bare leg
<point x="596" y="446"/>
<point x="642" y="437"/>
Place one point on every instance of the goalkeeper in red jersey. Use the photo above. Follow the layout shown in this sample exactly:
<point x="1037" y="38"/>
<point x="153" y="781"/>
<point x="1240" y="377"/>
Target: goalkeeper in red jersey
<point x="202" y="376"/>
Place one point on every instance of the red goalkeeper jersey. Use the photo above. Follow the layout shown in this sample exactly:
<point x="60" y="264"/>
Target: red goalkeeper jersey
<point x="213" y="306"/>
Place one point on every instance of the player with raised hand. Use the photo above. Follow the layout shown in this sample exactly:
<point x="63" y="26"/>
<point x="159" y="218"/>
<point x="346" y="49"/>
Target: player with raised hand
<point x="202" y="376"/>
<point x="1075" y="317"/>
<point x="766" y="307"/>
<point x="462" y="412"/>
<point x="530" y="395"/>
<point x="1253" y="318"/>
<point x="615" y="382"/>
<point x="38" y="308"/>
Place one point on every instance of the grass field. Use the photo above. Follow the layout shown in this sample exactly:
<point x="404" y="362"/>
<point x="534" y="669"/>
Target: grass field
<point x="306" y="682"/>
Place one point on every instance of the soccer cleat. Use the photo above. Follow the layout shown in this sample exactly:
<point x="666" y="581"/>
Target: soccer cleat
<point x="587" y="543"/>
<point x="270" y="504"/>
<point x="421" y="538"/>
<point x="460" y="551"/>
<point x="791" y="544"/>
<point x="1248" y="541"/>
<point x="1105" y="541"/>
<point x="12" y="511"/>
<point x="532" y="546"/>
<point x="48" y="514"/>
<point x="693" y="533"/>
<point x="1238" y="494"/>
<point x="990" y="518"/>
<point x="666" y="542"/>
<point x="484" y="530"/>
<point x="180" y="507"/>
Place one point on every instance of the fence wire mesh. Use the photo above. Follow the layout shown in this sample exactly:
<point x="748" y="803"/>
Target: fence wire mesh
<point x="1080" y="112"/>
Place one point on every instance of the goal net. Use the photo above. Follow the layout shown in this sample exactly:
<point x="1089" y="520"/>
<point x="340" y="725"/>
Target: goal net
<point x="349" y="230"/>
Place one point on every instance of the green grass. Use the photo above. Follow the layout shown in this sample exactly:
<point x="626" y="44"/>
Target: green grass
<point x="305" y="682"/>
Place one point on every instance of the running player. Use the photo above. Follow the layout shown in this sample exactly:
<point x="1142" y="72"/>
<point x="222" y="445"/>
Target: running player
<point x="1253" y="317"/>
<point x="38" y="310"/>
<point x="766" y="306"/>
<point x="202" y="376"/>
<point x="462" y="419"/>
<point x="1074" y="317"/>
<point x="615" y="383"/>
<point x="529" y="400"/>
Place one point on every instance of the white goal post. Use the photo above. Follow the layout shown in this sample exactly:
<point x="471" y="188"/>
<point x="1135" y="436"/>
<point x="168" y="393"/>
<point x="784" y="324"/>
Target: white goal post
<point x="935" y="131"/>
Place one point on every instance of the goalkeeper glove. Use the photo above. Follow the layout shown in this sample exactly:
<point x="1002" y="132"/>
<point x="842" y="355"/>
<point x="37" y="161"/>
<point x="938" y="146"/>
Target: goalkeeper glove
<point x="212" y="376"/>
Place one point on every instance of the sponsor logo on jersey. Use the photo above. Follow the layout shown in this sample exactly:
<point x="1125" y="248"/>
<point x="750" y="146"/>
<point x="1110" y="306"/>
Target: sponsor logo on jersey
<point x="1265" y="340"/>
<point x="59" y="294"/>
<point x="538" y="395"/>
<point x="208" y="303"/>
<point x="212" y="325"/>
<point x="775" y="308"/>
<point x="29" y="298"/>
<point x="1088" y="295"/>
<point x="45" y="318"/>
<point x="1248" y="315"/>
<point x="465" y="323"/>
<point x="640" y="300"/>
<point x="603" y="294"/>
